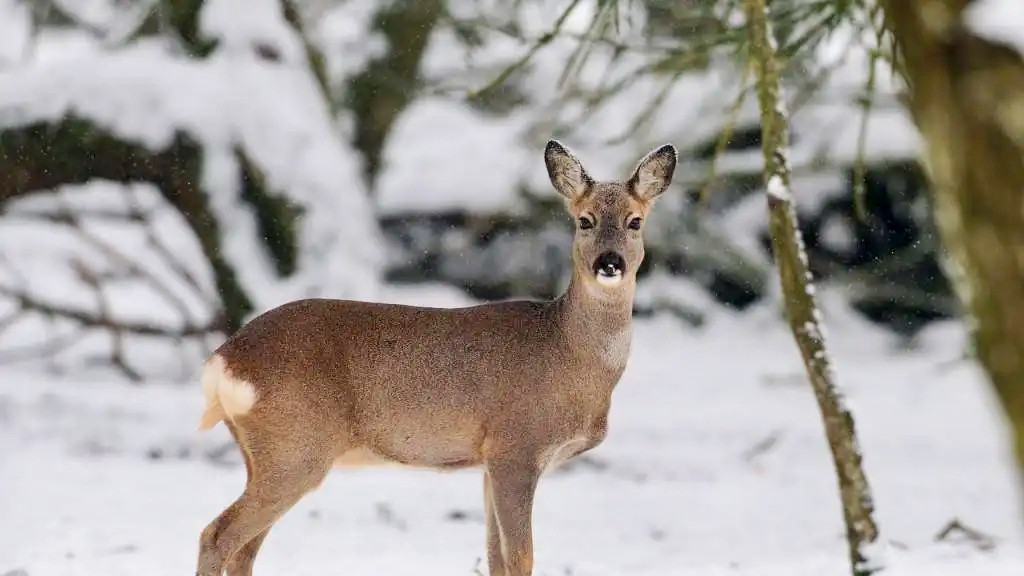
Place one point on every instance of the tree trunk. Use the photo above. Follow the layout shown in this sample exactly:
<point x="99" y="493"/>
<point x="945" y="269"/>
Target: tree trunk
<point x="966" y="95"/>
<point x="388" y="84"/>
<point x="798" y="292"/>
<point x="277" y="219"/>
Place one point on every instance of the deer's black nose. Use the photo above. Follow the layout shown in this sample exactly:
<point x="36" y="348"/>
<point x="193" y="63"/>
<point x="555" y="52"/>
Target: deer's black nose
<point x="609" y="264"/>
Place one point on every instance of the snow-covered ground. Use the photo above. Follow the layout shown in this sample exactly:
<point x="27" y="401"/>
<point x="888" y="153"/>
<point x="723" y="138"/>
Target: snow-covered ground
<point x="715" y="464"/>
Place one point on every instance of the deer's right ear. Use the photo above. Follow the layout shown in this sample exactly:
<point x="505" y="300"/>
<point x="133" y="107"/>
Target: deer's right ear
<point x="566" y="173"/>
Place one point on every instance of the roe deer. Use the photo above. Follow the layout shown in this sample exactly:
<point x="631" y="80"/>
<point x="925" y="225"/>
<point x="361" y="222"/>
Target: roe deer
<point x="513" y="387"/>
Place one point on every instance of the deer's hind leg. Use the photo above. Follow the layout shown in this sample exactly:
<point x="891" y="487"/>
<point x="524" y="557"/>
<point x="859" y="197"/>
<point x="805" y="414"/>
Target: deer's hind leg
<point x="241" y="562"/>
<point x="283" y="466"/>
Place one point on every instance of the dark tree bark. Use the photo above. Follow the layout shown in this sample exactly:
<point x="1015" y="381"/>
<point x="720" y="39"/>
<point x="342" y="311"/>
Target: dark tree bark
<point x="798" y="292"/>
<point x="277" y="219"/>
<point x="966" y="95"/>
<point x="180" y="18"/>
<point x="183" y="17"/>
<point x="379" y="94"/>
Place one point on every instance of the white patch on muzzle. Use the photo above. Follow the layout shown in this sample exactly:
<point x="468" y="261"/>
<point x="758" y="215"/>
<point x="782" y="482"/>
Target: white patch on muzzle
<point x="609" y="280"/>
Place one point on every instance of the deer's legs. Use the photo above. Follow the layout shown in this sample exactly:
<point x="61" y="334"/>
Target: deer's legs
<point x="495" y="561"/>
<point x="279" y="477"/>
<point x="241" y="563"/>
<point x="512" y="485"/>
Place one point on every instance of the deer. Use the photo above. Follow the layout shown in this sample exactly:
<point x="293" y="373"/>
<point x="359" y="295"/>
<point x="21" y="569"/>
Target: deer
<point x="514" y="388"/>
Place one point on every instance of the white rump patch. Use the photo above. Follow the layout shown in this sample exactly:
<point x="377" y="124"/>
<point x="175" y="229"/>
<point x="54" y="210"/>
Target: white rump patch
<point x="235" y="396"/>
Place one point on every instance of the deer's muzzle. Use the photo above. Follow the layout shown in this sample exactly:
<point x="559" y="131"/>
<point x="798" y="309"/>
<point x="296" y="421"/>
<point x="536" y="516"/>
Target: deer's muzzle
<point x="609" y="265"/>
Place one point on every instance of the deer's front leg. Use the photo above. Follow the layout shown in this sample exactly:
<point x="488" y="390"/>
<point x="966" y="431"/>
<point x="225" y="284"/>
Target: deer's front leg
<point x="511" y="484"/>
<point x="495" y="560"/>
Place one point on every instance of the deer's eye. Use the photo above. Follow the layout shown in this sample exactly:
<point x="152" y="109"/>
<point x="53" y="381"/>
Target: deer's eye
<point x="634" y="224"/>
<point x="586" y="223"/>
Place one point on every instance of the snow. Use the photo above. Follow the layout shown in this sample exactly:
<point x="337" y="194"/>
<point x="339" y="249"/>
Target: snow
<point x="454" y="172"/>
<point x="825" y="129"/>
<point x="38" y="255"/>
<point x="778" y="189"/>
<point x="997" y="20"/>
<point x="506" y="156"/>
<point x="837" y="235"/>
<point x="147" y="92"/>
<point x="660" y="288"/>
<point x="17" y="31"/>
<point x="346" y="28"/>
<point x="830" y="127"/>
<point x="715" y="464"/>
<point x="96" y="13"/>
<point x="274" y="111"/>
<point x="262" y="24"/>
<point x="506" y="148"/>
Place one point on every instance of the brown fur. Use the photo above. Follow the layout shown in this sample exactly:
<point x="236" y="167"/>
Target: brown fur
<point x="513" y="387"/>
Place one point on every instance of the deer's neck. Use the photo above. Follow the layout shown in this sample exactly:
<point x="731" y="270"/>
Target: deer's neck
<point x="597" y="322"/>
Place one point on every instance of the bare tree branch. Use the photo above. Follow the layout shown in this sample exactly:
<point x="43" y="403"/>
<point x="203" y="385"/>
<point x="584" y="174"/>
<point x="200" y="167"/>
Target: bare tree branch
<point x="172" y="261"/>
<point x="725" y="136"/>
<point x="88" y="152"/>
<point x="525" y="58"/>
<point x="47" y="349"/>
<point x="130" y="265"/>
<point x="94" y="320"/>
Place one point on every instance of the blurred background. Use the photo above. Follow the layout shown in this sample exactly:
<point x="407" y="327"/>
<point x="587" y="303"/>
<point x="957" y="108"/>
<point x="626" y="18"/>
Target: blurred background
<point x="211" y="161"/>
<point x="170" y="168"/>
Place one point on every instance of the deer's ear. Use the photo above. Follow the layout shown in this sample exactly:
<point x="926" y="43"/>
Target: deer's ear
<point x="566" y="173"/>
<point x="654" y="173"/>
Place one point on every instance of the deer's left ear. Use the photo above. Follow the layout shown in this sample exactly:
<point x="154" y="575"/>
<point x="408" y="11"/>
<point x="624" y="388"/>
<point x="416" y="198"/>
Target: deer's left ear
<point x="566" y="173"/>
<point x="654" y="173"/>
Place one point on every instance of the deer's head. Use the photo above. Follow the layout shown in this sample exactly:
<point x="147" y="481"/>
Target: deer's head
<point x="608" y="246"/>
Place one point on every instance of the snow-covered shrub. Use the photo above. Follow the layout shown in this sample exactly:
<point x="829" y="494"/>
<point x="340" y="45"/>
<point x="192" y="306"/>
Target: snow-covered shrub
<point x="102" y="144"/>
